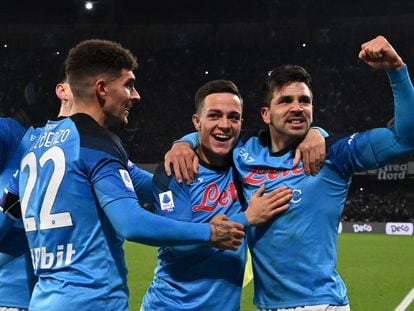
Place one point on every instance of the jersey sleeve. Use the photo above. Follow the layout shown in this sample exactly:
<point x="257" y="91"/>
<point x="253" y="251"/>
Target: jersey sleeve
<point x="377" y="147"/>
<point x="324" y="133"/>
<point x="191" y="139"/>
<point x="5" y="224"/>
<point x="11" y="132"/>
<point x="116" y="195"/>
<point x="142" y="181"/>
<point x="138" y="225"/>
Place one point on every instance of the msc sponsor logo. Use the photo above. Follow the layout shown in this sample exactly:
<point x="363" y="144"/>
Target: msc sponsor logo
<point x="399" y="228"/>
<point x="362" y="228"/>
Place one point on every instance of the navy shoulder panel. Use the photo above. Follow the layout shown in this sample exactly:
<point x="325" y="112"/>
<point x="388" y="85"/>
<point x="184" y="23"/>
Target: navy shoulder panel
<point x="94" y="136"/>
<point x="330" y="140"/>
<point x="161" y="179"/>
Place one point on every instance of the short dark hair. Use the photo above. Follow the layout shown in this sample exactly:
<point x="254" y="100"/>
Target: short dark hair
<point x="61" y="78"/>
<point x="94" y="57"/>
<point x="215" y="86"/>
<point x="284" y="74"/>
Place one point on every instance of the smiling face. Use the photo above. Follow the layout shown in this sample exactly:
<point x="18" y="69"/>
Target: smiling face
<point x="119" y="96"/>
<point x="218" y="124"/>
<point x="289" y="115"/>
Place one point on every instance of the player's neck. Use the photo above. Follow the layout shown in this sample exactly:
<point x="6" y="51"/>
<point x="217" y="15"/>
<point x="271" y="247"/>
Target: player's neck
<point x="280" y="142"/>
<point x="213" y="159"/>
<point x="92" y="109"/>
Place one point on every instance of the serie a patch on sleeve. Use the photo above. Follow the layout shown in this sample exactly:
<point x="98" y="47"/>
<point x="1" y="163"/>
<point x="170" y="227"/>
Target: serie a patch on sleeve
<point x="166" y="200"/>
<point x="126" y="179"/>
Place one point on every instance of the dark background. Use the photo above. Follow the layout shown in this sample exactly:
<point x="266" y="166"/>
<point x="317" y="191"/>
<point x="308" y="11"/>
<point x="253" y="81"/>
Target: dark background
<point x="182" y="44"/>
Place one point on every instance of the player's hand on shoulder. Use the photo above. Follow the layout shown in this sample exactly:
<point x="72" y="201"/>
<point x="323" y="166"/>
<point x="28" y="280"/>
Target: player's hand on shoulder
<point x="263" y="207"/>
<point x="183" y="160"/>
<point x="379" y="54"/>
<point x="312" y="151"/>
<point x="225" y="234"/>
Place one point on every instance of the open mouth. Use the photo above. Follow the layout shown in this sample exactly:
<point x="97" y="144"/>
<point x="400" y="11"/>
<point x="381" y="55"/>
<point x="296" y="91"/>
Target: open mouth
<point x="296" y="121"/>
<point x="221" y="137"/>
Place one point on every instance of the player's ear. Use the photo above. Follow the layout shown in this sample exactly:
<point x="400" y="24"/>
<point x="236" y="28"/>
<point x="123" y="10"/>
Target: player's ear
<point x="264" y="111"/>
<point x="60" y="91"/>
<point x="196" y="122"/>
<point x="100" y="89"/>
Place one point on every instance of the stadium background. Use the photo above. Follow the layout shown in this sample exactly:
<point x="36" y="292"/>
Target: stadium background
<point x="182" y="44"/>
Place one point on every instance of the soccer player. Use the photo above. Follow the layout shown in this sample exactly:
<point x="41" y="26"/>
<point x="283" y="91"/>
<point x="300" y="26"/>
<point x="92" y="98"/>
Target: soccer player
<point x="142" y="181"/>
<point x="77" y="199"/>
<point x="15" y="257"/>
<point x="294" y="258"/>
<point x="16" y="272"/>
<point x="205" y="278"/>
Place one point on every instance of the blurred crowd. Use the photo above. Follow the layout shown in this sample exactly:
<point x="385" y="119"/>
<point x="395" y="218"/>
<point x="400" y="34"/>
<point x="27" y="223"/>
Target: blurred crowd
<point x="348" y="95"/>
<point x="175" y="60"/>
<point x="380" y="202"/>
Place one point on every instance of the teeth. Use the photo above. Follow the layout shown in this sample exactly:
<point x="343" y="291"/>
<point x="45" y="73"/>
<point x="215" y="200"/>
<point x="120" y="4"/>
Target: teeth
<point x="221" y="136"/>
<point x="296" y="121"/>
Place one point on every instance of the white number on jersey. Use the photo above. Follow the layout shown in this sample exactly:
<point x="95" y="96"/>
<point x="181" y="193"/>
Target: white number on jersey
<point x="48" y="220"/>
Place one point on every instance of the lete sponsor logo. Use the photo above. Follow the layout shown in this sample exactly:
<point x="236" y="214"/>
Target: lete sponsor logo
<point x="399" y="228"/>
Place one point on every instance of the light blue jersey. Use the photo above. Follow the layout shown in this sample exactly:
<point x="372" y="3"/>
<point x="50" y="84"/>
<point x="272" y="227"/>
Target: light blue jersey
<point x="294" y="256"/>
<point x="78" y="204"/>
<point x="142" y="181"/>
<point x="16" y="273"/>
<point x="194" y="278"/>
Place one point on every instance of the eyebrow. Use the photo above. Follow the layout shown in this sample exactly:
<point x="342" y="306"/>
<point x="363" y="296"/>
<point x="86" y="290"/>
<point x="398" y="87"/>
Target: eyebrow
<point x="289" y="98"/>
<point x="130" y="80"/>
<point x="221" y="112"/>
<point x="305" y="98"/>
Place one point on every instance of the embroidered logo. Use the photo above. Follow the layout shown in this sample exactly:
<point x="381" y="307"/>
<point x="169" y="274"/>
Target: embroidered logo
<point x="166" y="200"/>
<point x="126" y="179"/>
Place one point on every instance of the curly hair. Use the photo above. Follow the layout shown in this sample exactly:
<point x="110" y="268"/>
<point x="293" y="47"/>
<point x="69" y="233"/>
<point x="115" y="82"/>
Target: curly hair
<point x="95" y="58"/>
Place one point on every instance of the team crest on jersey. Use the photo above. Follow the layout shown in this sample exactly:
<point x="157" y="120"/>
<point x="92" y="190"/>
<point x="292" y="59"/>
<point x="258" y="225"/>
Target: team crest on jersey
<point x="126" y="179"/>
<point x="166" y="200"/>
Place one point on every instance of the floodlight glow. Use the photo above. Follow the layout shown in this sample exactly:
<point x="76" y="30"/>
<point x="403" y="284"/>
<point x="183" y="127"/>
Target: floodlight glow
<point x="88" y="5"/>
